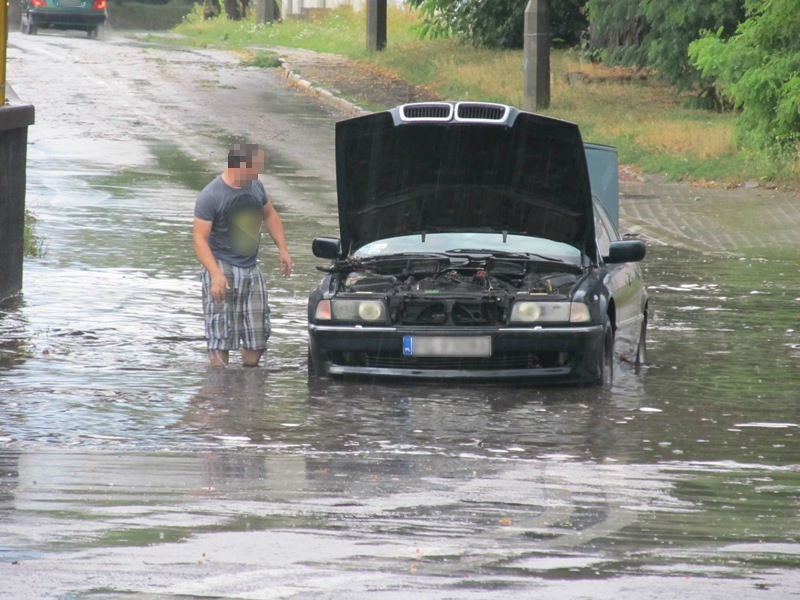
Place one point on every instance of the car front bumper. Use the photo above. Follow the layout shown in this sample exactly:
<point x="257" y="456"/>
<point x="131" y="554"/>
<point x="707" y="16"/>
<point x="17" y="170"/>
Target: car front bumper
<point x="557" y="354"/>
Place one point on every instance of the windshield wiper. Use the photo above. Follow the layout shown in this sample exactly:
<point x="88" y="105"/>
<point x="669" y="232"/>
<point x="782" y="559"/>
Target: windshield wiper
<point x="506" y="254"/>
<point x="401" y="256"/>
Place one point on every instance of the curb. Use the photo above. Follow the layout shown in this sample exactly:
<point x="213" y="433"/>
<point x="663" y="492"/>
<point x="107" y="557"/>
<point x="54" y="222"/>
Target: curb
<point x="326" y="96"/>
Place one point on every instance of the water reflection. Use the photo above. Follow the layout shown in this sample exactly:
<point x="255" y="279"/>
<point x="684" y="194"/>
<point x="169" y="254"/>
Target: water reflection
<point x="14" y="341"/>
<point x="379" y="516"/>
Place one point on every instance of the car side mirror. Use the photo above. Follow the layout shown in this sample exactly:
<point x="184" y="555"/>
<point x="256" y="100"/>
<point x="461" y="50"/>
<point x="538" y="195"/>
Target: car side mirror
<point x="626" y="251"/>
<point x="324" y="247"/>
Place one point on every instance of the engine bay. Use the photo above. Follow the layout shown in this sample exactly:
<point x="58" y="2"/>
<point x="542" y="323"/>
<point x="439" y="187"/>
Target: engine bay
<point x="464" y="276"/>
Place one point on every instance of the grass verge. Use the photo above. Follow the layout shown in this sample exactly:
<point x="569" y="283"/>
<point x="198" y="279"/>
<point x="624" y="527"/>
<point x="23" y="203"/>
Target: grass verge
<point x="650" y="124"/>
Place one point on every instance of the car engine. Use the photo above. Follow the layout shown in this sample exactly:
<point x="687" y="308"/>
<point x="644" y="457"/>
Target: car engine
<point x="488" y="276"/>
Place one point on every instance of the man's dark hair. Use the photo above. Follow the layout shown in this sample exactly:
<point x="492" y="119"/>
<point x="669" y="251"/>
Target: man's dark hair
<point x="242" y="153"/>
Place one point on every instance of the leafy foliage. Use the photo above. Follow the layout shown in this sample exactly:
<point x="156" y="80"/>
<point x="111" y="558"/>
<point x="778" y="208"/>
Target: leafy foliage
<point x="656" y="34"/>
<point x="759" y="68"/>
<point x="496" y="23"/>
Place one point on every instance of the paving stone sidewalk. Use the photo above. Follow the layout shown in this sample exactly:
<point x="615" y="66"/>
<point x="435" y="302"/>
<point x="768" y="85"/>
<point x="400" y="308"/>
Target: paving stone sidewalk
<point x="743" y="221"/>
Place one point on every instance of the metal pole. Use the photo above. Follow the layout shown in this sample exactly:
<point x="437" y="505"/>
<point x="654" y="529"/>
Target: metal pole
<point x="3" y="45"/>
<point x="376" y="24"/>
<point x="537" y="55"/>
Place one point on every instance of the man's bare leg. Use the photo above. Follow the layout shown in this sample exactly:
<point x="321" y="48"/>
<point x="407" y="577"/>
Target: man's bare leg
<point x="218" y="358"/>
<point x="250" y="358"/>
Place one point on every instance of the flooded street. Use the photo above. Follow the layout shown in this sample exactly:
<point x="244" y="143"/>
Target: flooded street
<point x="130" y="470"/>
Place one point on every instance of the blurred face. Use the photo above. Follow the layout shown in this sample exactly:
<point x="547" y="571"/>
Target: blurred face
<point x="255" y="169"/>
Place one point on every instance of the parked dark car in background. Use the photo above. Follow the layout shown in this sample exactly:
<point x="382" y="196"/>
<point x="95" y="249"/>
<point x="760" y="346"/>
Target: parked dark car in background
<point x="81" y="15"/>
<point x="476" y="242"/>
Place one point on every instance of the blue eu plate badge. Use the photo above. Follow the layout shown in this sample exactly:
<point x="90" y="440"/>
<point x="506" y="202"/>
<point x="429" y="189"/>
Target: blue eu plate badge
<point x="408" y="345"/>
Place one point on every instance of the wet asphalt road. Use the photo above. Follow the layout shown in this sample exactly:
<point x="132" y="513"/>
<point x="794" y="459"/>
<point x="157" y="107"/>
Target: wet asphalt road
<point x="127" y="469"/>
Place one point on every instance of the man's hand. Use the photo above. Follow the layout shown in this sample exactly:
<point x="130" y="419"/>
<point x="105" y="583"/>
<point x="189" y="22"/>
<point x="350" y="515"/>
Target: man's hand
<point x="286" y="262"/>
<point x="219" y="285"/>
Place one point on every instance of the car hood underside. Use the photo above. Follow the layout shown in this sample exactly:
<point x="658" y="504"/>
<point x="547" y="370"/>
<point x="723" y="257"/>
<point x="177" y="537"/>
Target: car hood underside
<point x="521" y="173"/>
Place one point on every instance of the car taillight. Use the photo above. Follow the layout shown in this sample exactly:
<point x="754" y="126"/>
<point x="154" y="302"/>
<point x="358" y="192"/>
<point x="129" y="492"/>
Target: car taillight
<point x="98" y="4"/>
<point x="39" y="3"/>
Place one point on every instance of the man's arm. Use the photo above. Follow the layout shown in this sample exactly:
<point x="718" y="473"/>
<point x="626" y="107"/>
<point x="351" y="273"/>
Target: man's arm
<point x="219" y="283"/>
<point x="275" y="228"/>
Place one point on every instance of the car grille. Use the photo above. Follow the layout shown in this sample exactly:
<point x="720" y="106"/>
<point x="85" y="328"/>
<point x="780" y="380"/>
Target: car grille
<point x="482" y="112"/>
<point x="511" y="361"/>
<point x="460" y="312"/>
<point x="423" y="313"/>
<point x="437" y="111"/>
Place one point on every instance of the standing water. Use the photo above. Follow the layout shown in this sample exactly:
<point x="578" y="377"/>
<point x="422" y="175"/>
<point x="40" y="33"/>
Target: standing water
<point x="128" y="467"/>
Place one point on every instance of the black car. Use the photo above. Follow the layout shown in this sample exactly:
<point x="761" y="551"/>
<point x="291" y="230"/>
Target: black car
<point x="477" y="242"/>
<point x="83" y="15"/>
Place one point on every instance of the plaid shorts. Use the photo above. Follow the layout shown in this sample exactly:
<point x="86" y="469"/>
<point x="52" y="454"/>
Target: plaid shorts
<point x="243" y="316"/>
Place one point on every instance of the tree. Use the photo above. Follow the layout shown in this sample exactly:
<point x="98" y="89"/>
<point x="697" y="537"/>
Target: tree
<point x="234" y="9"/>
<point x="497" y="23"/>
<point x="759" y="68"/>
<point x="656" y="34"/>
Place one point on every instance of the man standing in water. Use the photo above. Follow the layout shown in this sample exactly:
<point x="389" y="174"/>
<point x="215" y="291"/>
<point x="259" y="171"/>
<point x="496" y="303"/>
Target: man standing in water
<point x="228" y="219"/>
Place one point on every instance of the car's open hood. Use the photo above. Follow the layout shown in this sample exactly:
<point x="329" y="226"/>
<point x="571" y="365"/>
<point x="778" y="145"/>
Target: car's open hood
<point x="432" y="167"/>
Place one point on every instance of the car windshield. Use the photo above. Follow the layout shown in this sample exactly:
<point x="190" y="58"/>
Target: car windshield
<point x="488" y="242"/>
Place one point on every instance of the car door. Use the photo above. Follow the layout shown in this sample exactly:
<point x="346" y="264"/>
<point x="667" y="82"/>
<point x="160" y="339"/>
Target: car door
<point x="623" y="280"/>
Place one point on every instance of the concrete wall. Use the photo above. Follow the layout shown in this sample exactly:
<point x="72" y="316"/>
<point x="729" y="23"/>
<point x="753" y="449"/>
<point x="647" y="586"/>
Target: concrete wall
<point x="301" y="7"/>
<point x="14" y="120"/>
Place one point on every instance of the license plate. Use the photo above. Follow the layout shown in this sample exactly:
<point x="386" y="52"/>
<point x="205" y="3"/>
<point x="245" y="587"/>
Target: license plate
<point x="457" y="346"/>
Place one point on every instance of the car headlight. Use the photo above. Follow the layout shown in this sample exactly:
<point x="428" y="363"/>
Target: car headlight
<point x="550" y="312"/>
<point x="370" y="311"/>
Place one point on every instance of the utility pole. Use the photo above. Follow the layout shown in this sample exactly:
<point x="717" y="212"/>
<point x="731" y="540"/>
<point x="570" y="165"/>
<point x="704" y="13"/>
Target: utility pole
<point x="3" y="46"/>
<point x="266" y="11"/>
<point x="376" y="24"/>
<point x="537" y="55"/>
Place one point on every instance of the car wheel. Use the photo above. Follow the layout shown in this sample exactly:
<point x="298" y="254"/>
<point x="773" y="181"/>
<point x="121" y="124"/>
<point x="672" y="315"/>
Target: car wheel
<point x="641" y="347"/>
<point x="603" y="372"/>
<point x="608" y="359"/>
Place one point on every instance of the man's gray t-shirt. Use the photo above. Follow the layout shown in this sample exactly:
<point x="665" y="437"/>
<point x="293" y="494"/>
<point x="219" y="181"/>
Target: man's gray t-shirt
<point x="236" y="218"/>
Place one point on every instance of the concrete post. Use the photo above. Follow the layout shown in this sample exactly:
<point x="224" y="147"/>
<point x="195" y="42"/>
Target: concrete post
<point x="14" y="120"/>
<point x="266" y="11"/>
<point x="3" y="46"/>
<point x="537" y="55"/>
<point x="376" y="24"/>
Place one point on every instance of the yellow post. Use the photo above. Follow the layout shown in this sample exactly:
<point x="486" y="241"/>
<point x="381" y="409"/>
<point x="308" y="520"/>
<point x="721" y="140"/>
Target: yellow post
<point x="3" y="43"/>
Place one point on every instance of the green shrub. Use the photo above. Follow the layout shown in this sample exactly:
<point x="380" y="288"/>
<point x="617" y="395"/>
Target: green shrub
<point x="759" y="68"/>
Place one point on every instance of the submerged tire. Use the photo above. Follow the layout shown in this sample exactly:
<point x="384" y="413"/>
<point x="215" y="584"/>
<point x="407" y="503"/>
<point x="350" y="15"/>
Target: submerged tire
<point x="641" y="347"/>
<point x="603" y="371"/>
<point x="607" y="378"/>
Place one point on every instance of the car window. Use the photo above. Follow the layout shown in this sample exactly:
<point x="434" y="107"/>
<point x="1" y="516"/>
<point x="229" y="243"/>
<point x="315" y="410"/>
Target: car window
<point x="604" y="229"/>
<point x="442" y="242"/>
